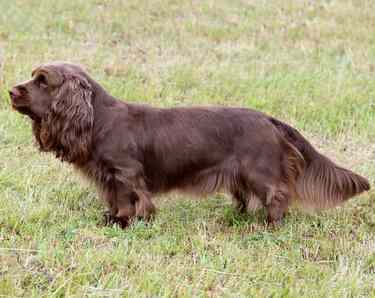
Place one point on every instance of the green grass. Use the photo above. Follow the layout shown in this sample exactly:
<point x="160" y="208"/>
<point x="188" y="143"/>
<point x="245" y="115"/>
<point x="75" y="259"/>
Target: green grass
<point x="310" y="63"/>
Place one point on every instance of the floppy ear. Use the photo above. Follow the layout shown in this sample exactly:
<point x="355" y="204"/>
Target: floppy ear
<point x="67" y="128"/>
<point x="55" y="78"/>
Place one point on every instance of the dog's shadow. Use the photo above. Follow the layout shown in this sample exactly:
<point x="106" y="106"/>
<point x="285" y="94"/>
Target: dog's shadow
<point x="176" y="214"/>
<point x="231" y="217"/>
<point x="213" y="211"/>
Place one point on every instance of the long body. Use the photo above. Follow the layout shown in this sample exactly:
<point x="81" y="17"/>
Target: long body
<point x="177" y="145"/>
<point x="133" y="152"/>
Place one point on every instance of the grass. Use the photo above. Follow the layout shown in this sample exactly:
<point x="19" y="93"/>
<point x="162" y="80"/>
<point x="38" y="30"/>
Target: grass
<point x="311" y="63"/>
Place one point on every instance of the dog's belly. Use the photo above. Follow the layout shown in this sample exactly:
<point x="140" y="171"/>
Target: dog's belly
<point x="196" y="178"/>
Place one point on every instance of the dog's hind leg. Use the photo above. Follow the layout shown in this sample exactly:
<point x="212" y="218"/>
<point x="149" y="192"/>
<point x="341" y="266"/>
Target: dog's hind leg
<point x="245" y="201"/>
<point x="277" y="205"/>
<point x="267" y="189"/>
<point x="239" y="200"/>
<point x="275" y="198"/>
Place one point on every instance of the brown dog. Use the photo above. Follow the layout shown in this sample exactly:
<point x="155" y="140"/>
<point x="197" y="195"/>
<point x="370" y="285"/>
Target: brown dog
<point x="135" y="151"/>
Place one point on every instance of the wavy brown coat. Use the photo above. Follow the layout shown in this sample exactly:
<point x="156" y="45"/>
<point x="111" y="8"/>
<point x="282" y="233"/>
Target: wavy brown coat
<point x="133" y="152"/>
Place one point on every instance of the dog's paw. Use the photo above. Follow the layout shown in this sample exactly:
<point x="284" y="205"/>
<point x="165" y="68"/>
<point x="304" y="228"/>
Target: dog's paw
<point x="109" y="220"/>
<point x="274" y="223"/>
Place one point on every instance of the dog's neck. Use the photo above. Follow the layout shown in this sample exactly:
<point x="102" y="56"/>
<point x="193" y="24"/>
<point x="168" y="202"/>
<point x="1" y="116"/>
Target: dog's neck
<point x="101" y="97"/>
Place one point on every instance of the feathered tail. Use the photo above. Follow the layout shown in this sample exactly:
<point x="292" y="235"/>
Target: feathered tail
<point x="322" y="183"/>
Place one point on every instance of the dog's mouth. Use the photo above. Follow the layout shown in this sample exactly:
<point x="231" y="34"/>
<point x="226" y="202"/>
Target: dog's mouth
<point x="18" y="106"/>
<point x="21" y="105"/>
<point x="25" y="110"/>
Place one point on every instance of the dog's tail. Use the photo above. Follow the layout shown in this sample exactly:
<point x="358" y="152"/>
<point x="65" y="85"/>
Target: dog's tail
<point x="322" y="183"/>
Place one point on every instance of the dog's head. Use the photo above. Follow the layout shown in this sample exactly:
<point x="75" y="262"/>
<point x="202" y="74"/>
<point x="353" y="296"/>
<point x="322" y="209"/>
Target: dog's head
<point x="58" y="99"/>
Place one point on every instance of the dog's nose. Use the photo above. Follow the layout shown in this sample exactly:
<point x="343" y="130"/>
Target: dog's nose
<point x="14" y="92"/>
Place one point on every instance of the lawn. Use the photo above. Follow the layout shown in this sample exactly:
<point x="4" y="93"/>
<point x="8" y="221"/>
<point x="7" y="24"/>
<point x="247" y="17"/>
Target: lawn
<point x="309" y="63"/>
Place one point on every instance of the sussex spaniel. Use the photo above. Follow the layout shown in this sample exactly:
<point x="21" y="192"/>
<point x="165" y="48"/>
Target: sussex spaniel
<point x="134" y="151"/>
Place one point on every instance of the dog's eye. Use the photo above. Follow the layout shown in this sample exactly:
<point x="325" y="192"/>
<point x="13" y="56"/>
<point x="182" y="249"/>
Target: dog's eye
<point x="42" y="81"/>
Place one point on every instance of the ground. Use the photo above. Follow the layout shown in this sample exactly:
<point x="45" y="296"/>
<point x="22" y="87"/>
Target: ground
<point x="309" y="63"/>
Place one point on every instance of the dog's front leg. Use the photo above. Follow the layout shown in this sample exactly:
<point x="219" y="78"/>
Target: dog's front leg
<point x="144" y="208"/>
<point x="120" y="204"/>
<point x="132" y="200"/>
<point x="125" y="205"/>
